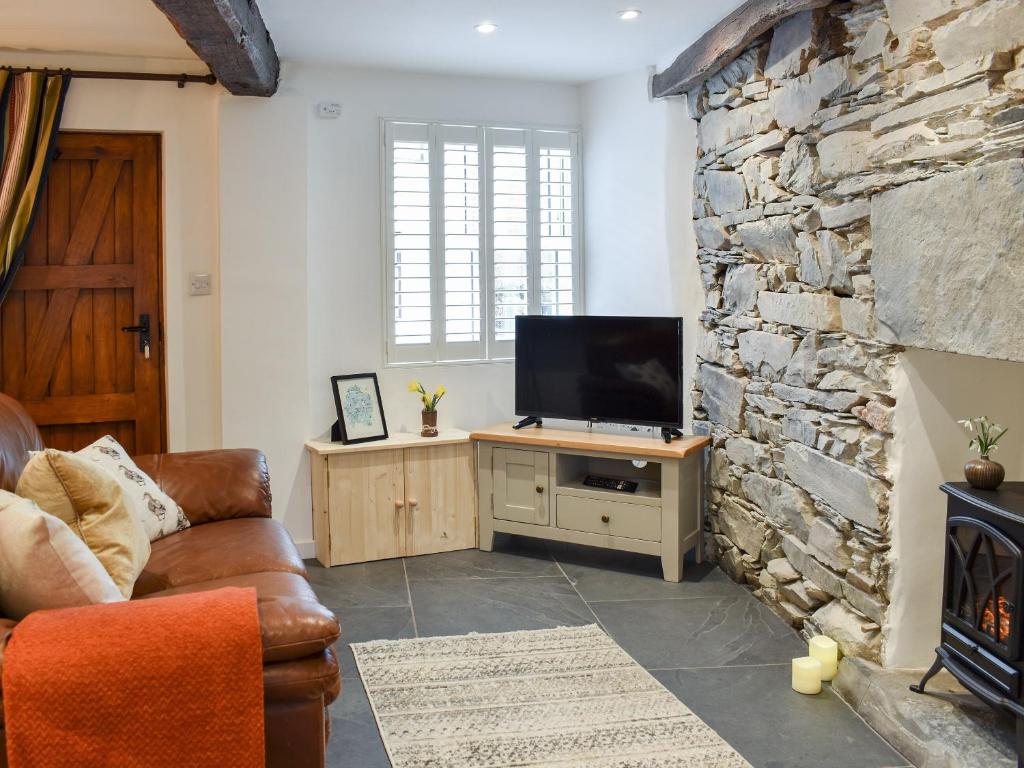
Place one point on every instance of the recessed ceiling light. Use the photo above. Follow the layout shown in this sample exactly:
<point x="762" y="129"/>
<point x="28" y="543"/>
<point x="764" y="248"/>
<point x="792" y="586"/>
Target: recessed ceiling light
<point x="629" y="14"/>
<point x="486" y="27"/>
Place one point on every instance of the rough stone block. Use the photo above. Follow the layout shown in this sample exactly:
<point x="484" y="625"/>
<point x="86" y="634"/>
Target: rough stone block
<point x="748" y="453"/>
<point x="724" y="126"/>
<point x="857" y="317"/>
<point x="995" y="26"/>
<point x="766" y="354"/>
<point x="845" y="153"/>
<point x="969" y="227"/>
<point x="794" y="104"/>
<point x="711" y="234"/>
<point x="726" y="191"/>
<point x="740" y="292"/>
<point x="829" y="401"/>
<point x="723" y="396"/>
<point x="872" y="43"/>
<point x="782" y="570"/>
<point x="835" y="216"/>
<point x="773" y="239"/>
<point x="828" y="544"/>
<point x="850" y="492"/>
<point x="806" y="310"/>
<point x="799" y="595"/>
<point x="946" y="101"/>
<point x="848" y="629"/>
<point x="798" y="167"/>
<point x="784" y="504"/>
<point x="904" y="15"/>
<point x="792" y="46"/>
<point x="742" y="528"/>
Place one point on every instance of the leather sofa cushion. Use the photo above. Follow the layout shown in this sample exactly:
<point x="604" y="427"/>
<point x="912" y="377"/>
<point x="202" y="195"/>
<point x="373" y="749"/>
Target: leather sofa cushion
<point x="293" y="623"/>
<point x="219" y="550"/>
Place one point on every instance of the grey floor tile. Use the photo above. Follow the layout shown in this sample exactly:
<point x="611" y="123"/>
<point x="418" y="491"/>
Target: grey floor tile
<point x="606" y="575"/>
<point x="355" y="741"/>
<point x="458" y="606"/>
<point x="702" y="632"/>
<point x="772" y="726"/>
<point x="365" y="584"/>
<point x="513" y="556"/>
<point x="362" y="623"/>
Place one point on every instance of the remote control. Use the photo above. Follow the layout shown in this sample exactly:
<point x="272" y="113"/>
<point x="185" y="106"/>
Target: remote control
<point x="611" y="484"/>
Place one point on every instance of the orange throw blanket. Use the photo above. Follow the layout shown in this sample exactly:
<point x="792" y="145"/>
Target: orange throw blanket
<point x="170" y="682"/>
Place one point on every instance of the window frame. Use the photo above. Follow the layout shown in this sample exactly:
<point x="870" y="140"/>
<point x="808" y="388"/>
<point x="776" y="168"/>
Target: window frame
<point x="490" y="351"/>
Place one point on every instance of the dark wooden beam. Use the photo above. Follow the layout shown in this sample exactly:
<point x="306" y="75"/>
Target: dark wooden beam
<point x="230" y="36"/>
<point x="724" y="42"/>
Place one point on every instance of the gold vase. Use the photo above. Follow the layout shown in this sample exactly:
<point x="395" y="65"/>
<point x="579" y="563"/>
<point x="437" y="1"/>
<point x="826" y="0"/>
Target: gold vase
<point x="984" y="474"/>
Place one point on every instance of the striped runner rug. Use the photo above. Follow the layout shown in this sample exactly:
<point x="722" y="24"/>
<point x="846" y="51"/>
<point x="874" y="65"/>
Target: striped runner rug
<point x="565" y="698"/>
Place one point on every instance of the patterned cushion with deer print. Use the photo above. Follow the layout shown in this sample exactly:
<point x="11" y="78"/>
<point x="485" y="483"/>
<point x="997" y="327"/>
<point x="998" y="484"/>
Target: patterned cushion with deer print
<point x="159" y="513"/>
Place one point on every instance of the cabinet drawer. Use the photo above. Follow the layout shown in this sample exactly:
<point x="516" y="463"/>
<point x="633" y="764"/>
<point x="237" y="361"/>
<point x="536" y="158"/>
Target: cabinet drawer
<point x="631" y="521"/>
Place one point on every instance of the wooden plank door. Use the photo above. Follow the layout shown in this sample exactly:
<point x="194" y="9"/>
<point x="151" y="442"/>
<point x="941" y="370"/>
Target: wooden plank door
<point x="440" y="494"/>
<point x="92" y="267"/>
<point x="367" y="506"/>
<point x="520" y="486"/>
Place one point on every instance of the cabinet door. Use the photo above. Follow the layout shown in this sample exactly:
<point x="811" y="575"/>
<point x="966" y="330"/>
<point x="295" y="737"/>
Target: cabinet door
<point x="521" y="486"/>
<point x="367" y="506"/>
<point x="440" y="494"/>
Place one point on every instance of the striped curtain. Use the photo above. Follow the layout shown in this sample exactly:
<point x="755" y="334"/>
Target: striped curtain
<point x="30" y="108"/>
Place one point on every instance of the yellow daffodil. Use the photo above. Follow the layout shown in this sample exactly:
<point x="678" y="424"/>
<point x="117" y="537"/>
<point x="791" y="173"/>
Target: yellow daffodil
<point x="440" y="392"/>
<point x="415" y="386"/>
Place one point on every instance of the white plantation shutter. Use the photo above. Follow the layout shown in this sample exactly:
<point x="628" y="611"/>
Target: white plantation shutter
<point x="481" y="226"/>
<point x="410" y="237"/>
<point x="463" y="309"/>
<point x="556" y="222"/>
<point x="509" y="203"/>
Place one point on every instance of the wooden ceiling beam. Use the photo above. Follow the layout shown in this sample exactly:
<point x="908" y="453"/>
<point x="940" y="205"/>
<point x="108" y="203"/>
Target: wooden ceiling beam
<point x="724" y="42"/>
<point x="230" y="36"/>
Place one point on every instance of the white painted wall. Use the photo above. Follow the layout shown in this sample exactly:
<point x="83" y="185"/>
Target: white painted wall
<point x="638" y="160"/>
<point x="186" y="119"/>
<point x="933" y="391"/>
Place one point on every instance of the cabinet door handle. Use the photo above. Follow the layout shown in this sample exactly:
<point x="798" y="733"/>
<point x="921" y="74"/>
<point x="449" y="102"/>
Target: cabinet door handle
<point x="399" y="504"/>
<point x="540" y="489"/>
<point x="413" y="503"/>
<point x="605" y="518"/>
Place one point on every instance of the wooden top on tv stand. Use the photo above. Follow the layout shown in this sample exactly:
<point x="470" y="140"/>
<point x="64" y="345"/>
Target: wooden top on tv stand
<point x="598" y="442"/>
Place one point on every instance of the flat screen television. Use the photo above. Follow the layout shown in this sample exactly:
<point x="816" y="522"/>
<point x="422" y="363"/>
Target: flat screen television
<point x="625" y="370"/>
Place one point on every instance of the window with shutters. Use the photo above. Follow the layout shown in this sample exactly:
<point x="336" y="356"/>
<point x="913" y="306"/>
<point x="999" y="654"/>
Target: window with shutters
<point x="481" y="225"/>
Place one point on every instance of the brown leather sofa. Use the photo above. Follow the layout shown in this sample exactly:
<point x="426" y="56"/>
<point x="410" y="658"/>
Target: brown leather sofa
<point x="232" y="542"/>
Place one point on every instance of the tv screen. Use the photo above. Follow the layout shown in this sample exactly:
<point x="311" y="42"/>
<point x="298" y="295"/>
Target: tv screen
<point x="626" y="370"/>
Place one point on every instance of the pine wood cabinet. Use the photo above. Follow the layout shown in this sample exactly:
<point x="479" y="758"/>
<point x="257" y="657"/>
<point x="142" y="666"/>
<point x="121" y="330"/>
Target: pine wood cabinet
<point x="403" y="496"/>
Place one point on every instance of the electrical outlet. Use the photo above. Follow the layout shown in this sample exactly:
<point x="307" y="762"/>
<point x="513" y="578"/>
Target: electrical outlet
<point x="199" y="284"/>
<point x="329" y="109"/>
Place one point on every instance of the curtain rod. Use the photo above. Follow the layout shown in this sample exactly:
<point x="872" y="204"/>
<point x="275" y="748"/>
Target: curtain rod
<point x="92" y="74"/>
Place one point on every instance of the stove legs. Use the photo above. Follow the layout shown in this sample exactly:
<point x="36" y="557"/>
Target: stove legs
<point x="934" y="670"/>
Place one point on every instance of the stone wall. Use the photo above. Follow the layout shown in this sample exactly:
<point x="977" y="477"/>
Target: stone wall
<point x="860" y="186"/>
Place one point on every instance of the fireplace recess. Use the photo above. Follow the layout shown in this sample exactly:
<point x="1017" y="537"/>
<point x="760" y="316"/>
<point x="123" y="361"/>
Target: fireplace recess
<point x="983" y="589"/>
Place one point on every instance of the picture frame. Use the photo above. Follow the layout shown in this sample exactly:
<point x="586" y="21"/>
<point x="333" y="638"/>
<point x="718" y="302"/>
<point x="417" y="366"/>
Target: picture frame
<point x="360" y="409"/>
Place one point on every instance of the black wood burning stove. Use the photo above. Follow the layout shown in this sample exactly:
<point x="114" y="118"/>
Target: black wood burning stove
<point x="983" y="597"/>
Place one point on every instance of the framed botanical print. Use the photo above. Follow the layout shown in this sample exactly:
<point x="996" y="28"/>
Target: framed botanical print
<point x="360" y="411"/>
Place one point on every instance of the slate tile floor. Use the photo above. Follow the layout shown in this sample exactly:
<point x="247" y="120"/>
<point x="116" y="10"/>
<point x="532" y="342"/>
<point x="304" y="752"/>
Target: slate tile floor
<point x="711" y="643"/>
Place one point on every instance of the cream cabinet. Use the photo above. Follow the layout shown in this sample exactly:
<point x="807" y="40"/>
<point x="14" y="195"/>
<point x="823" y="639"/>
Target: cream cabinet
<point x="531" y="484"/>
<point x="407" y="495"/>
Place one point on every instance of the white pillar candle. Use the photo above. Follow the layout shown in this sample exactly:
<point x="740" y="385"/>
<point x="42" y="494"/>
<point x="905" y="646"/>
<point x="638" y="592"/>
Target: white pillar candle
<point x="825" y="650"/>
<point x="807" y="675"/>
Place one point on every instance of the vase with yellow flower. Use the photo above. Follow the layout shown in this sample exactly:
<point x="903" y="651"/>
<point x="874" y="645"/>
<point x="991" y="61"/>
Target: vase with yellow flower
<point x="430" y="402"/>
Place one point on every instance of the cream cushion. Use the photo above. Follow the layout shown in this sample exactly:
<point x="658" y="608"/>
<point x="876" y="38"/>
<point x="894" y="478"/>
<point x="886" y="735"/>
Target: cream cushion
<point x="44" y="565"/>
<point x="91" y="502"/>
<point x="159" y="513"/>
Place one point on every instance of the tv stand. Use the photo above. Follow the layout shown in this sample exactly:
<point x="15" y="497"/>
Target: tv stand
<point x="667" y="433"/>
<point x="532" y="484"/>
<point x="529" y="421"/>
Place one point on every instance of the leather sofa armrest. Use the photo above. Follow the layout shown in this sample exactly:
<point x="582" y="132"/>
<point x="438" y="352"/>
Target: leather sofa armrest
<point x="213" y="485"/>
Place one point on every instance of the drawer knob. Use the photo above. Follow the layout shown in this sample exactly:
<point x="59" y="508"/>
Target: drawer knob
<point x="540" y="489"/>
<point x="605" y="518"/>
<point x="399" y="504"/>
<point x="413" y="503"/>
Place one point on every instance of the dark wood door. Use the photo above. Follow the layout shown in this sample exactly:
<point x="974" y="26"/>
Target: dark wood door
<point x="92" y="267"/>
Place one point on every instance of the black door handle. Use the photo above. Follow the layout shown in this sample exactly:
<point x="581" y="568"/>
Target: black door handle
<point x="143" y="330"/>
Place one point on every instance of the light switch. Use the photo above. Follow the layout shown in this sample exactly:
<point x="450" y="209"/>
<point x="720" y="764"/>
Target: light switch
<point x="199" y="284"/>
